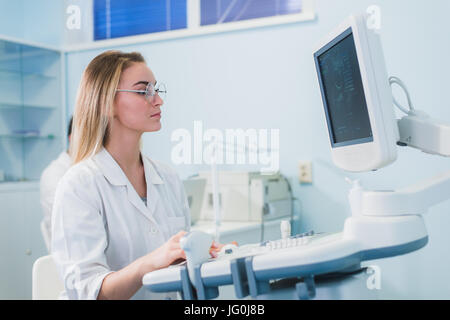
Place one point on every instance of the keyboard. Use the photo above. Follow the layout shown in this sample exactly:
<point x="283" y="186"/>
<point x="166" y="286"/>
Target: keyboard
<point x="298" y="240"/>
<point x="293" y="241"/>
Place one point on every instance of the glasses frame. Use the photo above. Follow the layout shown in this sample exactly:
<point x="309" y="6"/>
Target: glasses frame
<point x="150" y="90"/>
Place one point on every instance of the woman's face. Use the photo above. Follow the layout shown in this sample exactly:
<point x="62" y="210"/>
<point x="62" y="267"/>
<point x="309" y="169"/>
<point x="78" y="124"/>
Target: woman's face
<point x="134" y="110"/>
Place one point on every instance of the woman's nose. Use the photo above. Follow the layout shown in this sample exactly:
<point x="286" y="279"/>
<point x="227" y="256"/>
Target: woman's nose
<point x="158" y="101"/>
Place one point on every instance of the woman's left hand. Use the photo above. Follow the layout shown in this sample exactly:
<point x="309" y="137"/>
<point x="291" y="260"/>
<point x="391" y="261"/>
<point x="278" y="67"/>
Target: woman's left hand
<point x="216" y="247"/>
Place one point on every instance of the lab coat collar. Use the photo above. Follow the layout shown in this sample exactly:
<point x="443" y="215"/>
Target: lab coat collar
<point x="151" y="175"/>
<point x="110" y="168"/>
<point x="115" y="174"/>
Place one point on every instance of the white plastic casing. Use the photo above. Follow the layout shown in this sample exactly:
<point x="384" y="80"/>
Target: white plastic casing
<point x="424" y="133"/>
<point x="196" y="246"/>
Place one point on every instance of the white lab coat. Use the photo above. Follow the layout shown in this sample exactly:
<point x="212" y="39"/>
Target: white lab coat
<point x="100" y="224"/>
<point x="48" y="183"/>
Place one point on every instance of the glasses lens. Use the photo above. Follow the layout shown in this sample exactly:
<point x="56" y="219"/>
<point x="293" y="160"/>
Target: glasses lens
<point x="150" y="91"/>
<point x="161" y="90"/>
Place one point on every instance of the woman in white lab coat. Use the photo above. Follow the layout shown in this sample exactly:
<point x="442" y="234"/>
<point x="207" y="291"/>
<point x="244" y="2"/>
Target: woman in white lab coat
<point x="117" y="214"/>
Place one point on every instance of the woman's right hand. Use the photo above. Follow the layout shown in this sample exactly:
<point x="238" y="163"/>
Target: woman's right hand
<point x="164" y="255"/>
<point x="124" y="283"/>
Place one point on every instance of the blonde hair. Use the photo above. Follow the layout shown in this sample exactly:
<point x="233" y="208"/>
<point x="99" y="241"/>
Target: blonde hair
<point x="95" y="101"/>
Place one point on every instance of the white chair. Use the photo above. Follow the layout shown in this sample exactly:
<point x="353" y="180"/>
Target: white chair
<point x="46" y="284"/>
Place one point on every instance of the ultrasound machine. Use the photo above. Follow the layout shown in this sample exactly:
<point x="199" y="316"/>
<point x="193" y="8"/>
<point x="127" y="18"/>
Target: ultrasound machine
<point x="364" y="136"/>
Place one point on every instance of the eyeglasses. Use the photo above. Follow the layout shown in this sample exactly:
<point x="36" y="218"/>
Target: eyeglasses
<point x="150" y="91"/>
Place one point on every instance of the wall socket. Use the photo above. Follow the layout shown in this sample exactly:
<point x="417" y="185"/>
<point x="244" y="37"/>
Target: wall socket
<point x="305" y="172"/>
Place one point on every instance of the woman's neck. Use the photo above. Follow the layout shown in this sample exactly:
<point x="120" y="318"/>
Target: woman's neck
<point x="124" y="147"/>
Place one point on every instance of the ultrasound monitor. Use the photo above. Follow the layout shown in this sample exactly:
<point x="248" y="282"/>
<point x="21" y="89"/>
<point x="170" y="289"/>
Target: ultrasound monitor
<point x="356" y="97"/>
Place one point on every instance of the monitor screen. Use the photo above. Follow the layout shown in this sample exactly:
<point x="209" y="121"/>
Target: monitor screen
<point x="343" y="92"/>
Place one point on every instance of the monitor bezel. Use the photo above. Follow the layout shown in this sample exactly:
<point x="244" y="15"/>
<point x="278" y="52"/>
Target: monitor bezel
<point x="328" y="46"/>
<point x="370" y="155"/>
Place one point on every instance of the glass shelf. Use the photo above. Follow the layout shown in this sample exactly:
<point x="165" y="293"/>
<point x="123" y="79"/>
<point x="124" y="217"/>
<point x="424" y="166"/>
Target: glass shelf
<point x="18" y="184"/>
<point x="7" y="105"/>
<point x="30" y="75"/>
<point x="27" y="136"/>
<point x="31" y="106"/>
<point x="18" y="55"/>
<point x="20" y="181"/>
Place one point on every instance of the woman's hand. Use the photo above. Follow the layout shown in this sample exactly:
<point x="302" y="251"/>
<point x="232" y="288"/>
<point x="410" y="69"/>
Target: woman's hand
<point x="216" y="247"/>
<point x="164" y="255"/>
<point x="123" y="284"/>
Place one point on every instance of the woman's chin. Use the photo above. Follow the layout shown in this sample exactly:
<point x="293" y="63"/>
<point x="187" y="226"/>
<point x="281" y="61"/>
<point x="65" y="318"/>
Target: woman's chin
<point x="154" y="127"/>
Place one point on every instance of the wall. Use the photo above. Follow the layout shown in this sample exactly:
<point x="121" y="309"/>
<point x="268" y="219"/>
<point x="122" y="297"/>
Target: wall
<point x="11" y="22"/>
<point x="265" y="78"/>
<point x="37" y="21"/>
<point x="43" y="15"/>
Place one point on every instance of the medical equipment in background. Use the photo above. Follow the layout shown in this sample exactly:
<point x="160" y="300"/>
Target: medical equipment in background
<point x="247" y="201"/>
<point x="215" y="191"/>
<point x="213" y="155"/>
<point x="363" y="135"/>
<point x="247" y="196"/>
<point x="195" y="192"/>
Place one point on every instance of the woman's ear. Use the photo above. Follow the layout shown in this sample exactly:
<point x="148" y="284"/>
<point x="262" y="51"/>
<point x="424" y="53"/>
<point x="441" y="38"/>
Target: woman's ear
<point x="114" y="108"/>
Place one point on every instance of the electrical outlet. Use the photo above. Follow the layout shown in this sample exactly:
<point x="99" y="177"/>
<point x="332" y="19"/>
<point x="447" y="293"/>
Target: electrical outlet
<point x="305" y="172"/>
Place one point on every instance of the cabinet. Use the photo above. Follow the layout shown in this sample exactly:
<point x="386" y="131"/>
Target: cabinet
<point x="31" y="109"/>
<point x="21" y="242"/>
<point x="32" y="134"/>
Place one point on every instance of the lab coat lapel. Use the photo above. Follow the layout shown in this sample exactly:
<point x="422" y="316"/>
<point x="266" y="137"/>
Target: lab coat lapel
<point x="153" y="179"/>
<point x="110" y="168"/>
<point x="134" y="198"/>
<point x="115" y="175"/>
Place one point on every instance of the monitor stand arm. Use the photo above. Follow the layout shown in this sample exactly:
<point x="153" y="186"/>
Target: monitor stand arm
<point x="412" y="200"/>
<point x="390" y="218"/>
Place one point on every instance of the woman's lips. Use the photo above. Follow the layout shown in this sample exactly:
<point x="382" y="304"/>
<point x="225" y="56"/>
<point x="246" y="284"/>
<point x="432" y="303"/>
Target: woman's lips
<point x="156" y="115"/>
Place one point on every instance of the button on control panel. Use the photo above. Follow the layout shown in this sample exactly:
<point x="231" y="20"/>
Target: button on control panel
<point x="293" y="241"/>
<point x="269" y="246"/>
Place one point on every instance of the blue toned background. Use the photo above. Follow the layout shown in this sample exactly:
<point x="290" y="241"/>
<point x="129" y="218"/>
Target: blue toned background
<point x="215" y="11"/>
<point x="38" y="21"/>
<point x="146" y="17"/>
<point x="265" y="78"/>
